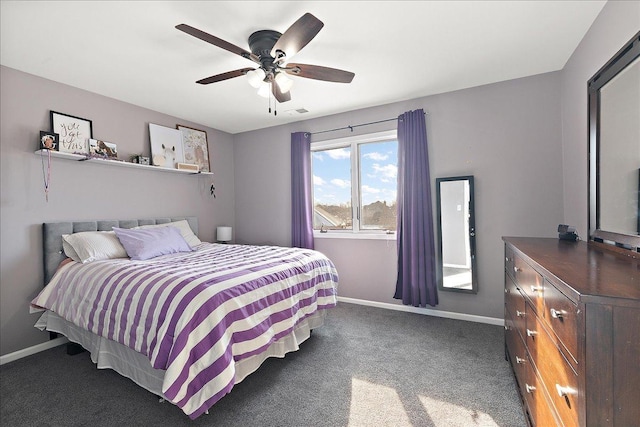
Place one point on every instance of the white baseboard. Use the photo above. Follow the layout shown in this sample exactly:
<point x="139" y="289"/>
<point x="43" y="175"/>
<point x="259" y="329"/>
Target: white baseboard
<point x="32" y="350"/>
<point x="427" y="311"/>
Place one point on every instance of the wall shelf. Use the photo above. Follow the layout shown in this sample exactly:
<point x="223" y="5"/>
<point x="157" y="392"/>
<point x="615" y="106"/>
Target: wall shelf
<point x="83" y="158"/>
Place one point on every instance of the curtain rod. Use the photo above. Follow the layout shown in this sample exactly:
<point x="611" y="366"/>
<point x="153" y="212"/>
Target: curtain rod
<point x="351" y="127"/>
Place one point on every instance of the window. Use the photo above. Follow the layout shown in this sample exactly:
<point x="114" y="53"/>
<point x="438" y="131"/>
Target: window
<point x="355" y="183"/>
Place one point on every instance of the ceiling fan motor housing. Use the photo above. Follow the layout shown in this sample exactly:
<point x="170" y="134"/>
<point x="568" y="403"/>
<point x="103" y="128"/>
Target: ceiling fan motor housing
<point x="261" y="42"/>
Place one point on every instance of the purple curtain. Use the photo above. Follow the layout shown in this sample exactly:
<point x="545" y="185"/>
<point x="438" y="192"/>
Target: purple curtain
<point x="301" y="197"/>
<point x="416" y="284"/>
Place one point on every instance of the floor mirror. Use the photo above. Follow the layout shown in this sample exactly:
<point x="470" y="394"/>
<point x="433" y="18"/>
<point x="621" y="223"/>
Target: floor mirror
<point x="456" y="264"/>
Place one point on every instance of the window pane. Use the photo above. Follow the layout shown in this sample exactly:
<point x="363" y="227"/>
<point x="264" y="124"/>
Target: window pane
<point x="378" y="185"/>
<point x="332" y="189"/>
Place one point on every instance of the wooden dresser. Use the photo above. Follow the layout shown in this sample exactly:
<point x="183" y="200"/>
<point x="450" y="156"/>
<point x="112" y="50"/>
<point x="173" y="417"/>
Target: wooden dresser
<point x="572" y="332"/>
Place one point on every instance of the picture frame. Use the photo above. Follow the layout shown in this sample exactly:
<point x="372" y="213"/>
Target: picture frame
<point x="166" y="146"/>
<point x="49" y="141"/>
<point x="74" y="132"/>
<point x="103" y="149"/>
<point x="195" y="147"/>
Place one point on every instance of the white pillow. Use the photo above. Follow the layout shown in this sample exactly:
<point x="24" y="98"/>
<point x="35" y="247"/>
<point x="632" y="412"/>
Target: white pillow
<point x="183" y="226"/>
<point x="90" y="246"/>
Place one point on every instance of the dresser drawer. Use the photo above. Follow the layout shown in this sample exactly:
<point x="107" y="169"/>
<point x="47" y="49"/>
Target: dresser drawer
<point x="557" y="375"/>
<point x="530" y="282"/>
<point x="561" y="316"/>
<point x="508" y="261"/>
<point x="530" y="331"/>
<point x="517" y="353"/>
<point x="515" y="302"/>
<point x="539" y="409"/>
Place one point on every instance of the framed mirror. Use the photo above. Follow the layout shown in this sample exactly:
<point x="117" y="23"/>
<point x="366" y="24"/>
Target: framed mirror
<point x="614" y="149"/>
<point x="456" y="264"/>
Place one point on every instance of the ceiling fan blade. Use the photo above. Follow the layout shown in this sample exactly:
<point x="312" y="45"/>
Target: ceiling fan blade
<point x="217" y="42"/>
<point x="278" y="94"/>
<point x="297" y="36"/>
<point x="224" y="76"/>
<point x="317" y="72"/>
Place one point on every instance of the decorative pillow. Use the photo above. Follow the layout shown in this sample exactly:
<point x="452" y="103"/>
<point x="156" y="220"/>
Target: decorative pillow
<point x="90" y="246"/>
<point x="184" y="227"/>
<point x="150" y="243"/>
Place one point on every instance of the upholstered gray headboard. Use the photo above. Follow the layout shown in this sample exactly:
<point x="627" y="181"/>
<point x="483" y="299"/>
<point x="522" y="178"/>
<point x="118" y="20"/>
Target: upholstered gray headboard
<point x="52" y="235"/>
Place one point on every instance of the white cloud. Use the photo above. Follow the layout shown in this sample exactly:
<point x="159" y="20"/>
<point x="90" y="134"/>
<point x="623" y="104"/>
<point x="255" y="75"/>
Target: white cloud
<point x="317" y="156"/>
<point x="324" y="199"/>
<point x="390" y="171"/>
<point x="372" y="194"/>
<point x="318" y="181"/>
<point x="389" y="195"/>
<point x="339" y="153"/>
<point x="370" y="190"/>
<point x="386" y="173"/>
<point x="376" y="156"/>
<point x="342" y="183"/>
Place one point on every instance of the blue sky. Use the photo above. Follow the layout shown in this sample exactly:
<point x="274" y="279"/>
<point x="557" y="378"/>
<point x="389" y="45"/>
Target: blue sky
<point x="378" y="165"/>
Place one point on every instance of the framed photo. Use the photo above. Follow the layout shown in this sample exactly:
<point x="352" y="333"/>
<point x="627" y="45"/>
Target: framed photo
<point x="166" y="146"/>
<point x="104" y="149"/>
<point x="49" y="141"/>
<point x="74" y="132"/>
<point x="194" y="144"/>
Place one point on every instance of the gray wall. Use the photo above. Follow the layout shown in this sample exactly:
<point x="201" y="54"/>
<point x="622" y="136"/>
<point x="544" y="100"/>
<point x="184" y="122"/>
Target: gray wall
<point x="507" y="135"/>
<point x="615" y="25"/>
<point x="84" y="191"/>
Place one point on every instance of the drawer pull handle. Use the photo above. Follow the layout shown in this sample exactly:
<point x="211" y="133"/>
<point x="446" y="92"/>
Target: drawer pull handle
<point x="557" y="314"/>
<point x="519" y="313"/>
<point x="530" y="388"/>
<point x="565" y="391"/>
<point x="531" y="333"/>
<point x="537" y="288"/>
<point x="520" y="360"/>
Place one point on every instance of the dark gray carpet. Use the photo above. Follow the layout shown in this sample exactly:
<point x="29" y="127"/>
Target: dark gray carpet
<point x="365" y="367"/>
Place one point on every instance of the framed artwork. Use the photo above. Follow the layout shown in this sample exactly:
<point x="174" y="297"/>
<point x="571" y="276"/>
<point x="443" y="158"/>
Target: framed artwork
<point x="194" y="144"/>
<point x="104" y="149"/>
<point x="74" y="132"/>
<point x="166" y="146"/>
<point x="49" y="140"/>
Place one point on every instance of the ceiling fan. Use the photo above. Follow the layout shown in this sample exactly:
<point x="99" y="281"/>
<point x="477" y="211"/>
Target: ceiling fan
<point x="271" y="49"/>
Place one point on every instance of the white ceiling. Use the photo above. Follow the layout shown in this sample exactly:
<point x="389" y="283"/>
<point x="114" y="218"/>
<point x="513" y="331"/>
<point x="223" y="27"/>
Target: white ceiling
<point x="398" y="50"/>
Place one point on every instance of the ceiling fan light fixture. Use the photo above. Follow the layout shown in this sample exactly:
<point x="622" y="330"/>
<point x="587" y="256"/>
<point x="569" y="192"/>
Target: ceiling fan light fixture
<point x="264" y="90"/>
<point x="256" y="77"/>
<point x="284" y="82"/>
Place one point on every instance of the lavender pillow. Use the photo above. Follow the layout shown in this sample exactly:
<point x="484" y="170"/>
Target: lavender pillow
<point x="153" y="242"/>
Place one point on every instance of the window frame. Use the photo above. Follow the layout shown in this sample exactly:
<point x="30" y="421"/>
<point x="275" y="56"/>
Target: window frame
<point x="354" y="143"/>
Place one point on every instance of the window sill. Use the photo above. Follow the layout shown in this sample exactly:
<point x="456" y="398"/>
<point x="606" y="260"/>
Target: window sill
<point x="354" y="236"/>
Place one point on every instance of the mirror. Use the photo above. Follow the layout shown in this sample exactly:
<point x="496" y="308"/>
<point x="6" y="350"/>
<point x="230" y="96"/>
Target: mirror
<point x="456" y="264"/>
<point x="614" y="149"/>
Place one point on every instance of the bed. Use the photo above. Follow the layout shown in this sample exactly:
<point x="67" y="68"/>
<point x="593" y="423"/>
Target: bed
<point x="189" y="325"/>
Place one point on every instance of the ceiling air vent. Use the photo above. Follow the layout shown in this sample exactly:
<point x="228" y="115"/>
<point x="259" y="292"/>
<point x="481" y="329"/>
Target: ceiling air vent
<point x="296" y="112"/>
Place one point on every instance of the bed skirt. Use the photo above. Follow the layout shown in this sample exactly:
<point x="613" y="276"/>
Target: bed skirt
<point x="108" y="354"/>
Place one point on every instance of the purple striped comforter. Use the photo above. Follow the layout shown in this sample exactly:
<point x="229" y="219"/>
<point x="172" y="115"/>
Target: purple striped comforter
<point x="194" y="314"/>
